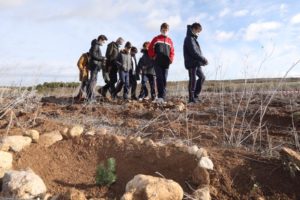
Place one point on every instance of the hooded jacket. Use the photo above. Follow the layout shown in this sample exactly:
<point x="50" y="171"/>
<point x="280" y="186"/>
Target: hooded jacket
<point x="124" y="61"/>
<point x="192" y="52"/>
<point x="111" y="54"/>
<point x="161" y="49"/>
<point x="83" y="67"/>
<point x="96" y="59"/>
<point x="146" y="64"/>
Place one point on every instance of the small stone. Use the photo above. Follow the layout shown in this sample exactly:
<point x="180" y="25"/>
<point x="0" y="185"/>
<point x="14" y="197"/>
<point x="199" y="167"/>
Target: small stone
<point x="90" y="133"/>
<point x="202" y="194"/>
<point x="193" y="150"/>
<point x="33" y="134"/>
<point x="65" y="133"/>
<point x="206" y="163"/>
<point x="201" y="153"/>
<point x="50" y="138"/>
<point x="15" y="143"/>
<point x="6" y="160"/>
<point x="180" y="107"/>
<point x="76" y="131"/>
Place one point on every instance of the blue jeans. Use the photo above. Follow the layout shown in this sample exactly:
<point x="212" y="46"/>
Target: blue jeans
<point x="144" y="91"/>
<point x="161" y="80"/>
<point x="123" y="82"/>
<point x="195" y="86"/>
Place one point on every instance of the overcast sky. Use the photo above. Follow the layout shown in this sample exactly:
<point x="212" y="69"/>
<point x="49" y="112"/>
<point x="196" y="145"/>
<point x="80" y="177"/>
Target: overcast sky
<point x="41" y="40"/>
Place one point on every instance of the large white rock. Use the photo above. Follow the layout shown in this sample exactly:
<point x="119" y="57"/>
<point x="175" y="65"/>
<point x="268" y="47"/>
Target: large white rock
<point x="23" y="185"/>
<point x="15" y="143"/>
<point x="49" y="139"/>
<point x="143" y="187"/>
<point x="6" y="160"/>
<point x="206" y="163"/>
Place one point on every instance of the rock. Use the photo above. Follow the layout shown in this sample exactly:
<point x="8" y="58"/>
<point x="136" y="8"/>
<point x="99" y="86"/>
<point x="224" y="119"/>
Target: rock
<point x="76" y="131"/>
<point x="15" y="143"/>
<point x="90" y="133"/>
<point x="33" y="134"/>
<point x="149" y="143"/>
<point x="102" y="131"/>
<point x="206" y="163"/>
<point x="23" y="185"/>
<point x="193" y="150"/>
<point x="6" y="160"/>
<point x="180" y="107"/>
<point x="202" y="194"/>
<point x="290" y="155"/>
<point x="296" y="116"/>
<point x="73" y="194"/>
<point x="200" y="176"/>
<point x="65" y="132"/>
<point x="49" y="139"/>
<point x="143" y="187"/>
<point x="201" y="153"/>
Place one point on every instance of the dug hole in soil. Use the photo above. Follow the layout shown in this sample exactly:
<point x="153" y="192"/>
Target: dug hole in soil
<point x="72" y="163"/>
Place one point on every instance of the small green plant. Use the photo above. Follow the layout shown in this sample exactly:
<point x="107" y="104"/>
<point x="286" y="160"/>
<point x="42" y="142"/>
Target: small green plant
<point x="106" y="175"/>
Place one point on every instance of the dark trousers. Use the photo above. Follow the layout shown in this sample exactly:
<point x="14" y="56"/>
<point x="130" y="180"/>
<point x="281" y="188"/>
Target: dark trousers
<point x="110" y="85"/>
<point x="133" y="84"/>
<point x="144" y="91"/>
<point x="195" y="86"/>
<point x="92" y="84"/>
<point x="161" y="80"/>
<point x="123" y="82"/>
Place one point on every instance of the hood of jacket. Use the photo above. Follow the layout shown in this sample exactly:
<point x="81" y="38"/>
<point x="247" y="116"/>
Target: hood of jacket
<point x="190" y="33"/>
<point x="94" y="42"/>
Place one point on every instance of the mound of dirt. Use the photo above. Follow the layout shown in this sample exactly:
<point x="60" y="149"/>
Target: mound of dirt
<point x="72" y="163"/>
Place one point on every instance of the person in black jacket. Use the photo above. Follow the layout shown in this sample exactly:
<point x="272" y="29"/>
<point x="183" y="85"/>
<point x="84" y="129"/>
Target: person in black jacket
<point x="146" y="67"/>
<point x="194" y="60"/>
<point x="133" y="76"/>
<point x="110" y="71"/>
<point x="95" y="64"/>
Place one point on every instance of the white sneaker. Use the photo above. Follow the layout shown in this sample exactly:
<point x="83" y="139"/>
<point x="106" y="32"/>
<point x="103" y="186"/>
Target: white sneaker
<point x="161" y="101"/>
<point x="146" y="98"/>
<point x="140" y="99"/>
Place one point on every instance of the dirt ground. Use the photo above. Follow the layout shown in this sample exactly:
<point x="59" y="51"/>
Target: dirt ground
<point x="242" y="135"/>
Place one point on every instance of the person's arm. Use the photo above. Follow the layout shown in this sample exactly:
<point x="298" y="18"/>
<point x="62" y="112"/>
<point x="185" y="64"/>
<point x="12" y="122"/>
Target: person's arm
<point x="118" y="61"/>
<point x="191" y="48"/>
<point x="151" y="50"/>
<point x="94" y="54"/>
<point x="80" y="62"/>
<point x="109" y="52"/>
<point x="172" y="51"/>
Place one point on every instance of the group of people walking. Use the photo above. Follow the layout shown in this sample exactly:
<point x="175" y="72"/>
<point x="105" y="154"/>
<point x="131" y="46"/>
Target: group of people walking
<point x="121" y="70"/>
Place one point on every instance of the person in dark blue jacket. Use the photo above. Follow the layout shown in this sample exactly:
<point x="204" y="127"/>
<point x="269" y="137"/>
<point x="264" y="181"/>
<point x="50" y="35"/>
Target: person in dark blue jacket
<point x="194" y="60"/>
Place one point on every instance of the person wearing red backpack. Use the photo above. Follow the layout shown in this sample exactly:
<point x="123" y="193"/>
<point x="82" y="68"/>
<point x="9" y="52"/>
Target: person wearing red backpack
<point x="161" y="50"/>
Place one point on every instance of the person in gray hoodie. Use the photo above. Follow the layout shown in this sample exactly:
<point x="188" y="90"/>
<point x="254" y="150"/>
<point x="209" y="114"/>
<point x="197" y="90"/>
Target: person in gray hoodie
<point x="124" y="63"/>
<point x="194" y="60"/>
